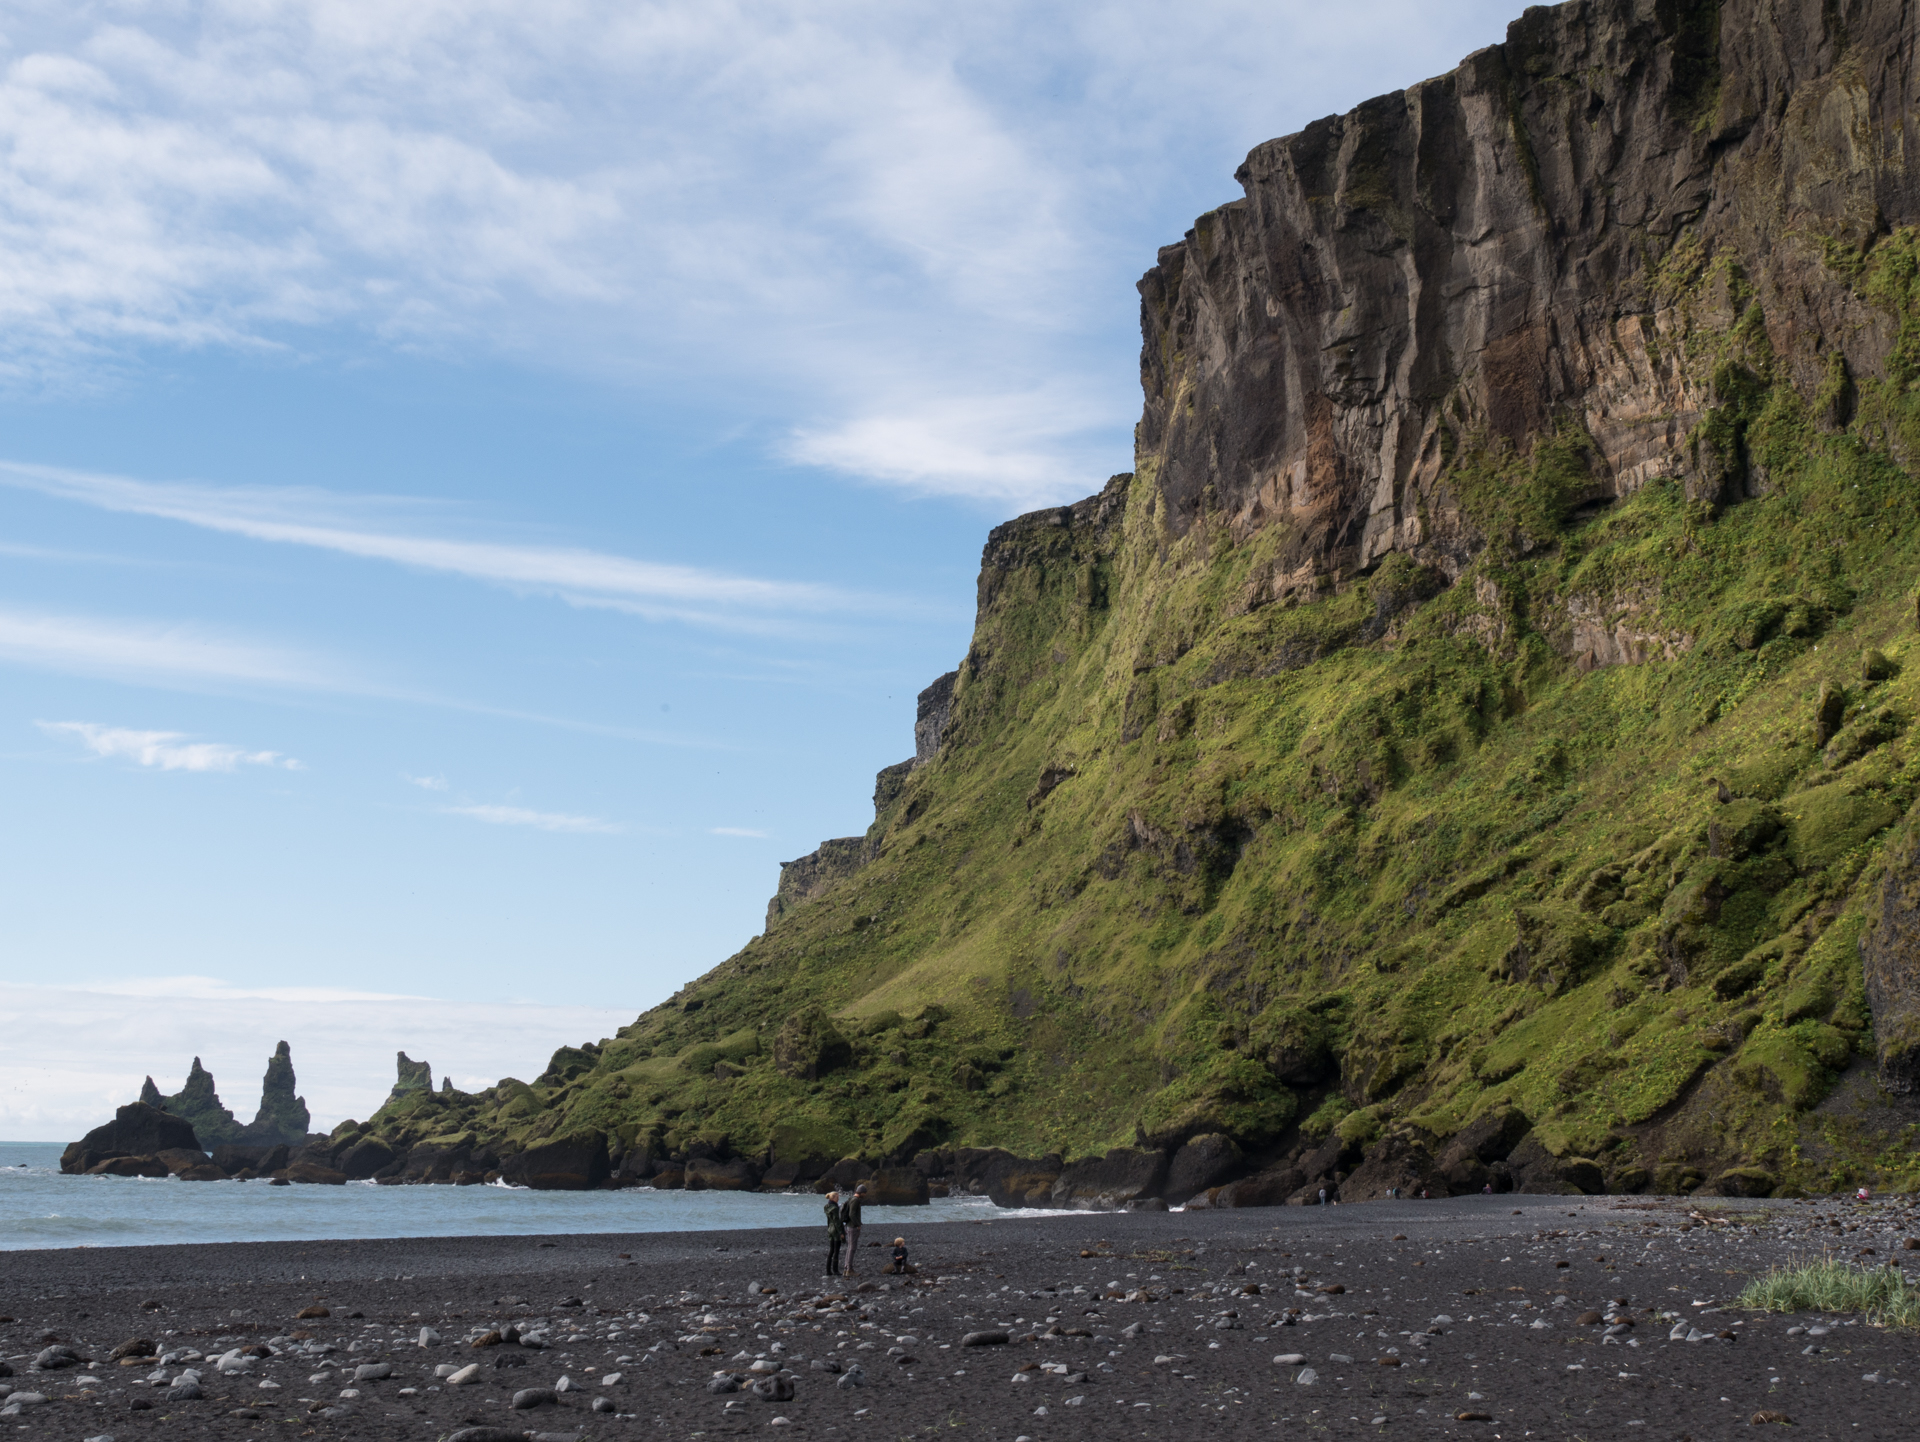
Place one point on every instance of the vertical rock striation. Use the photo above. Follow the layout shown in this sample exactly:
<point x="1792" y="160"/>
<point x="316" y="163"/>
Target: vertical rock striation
<point x="1482" y="260"/>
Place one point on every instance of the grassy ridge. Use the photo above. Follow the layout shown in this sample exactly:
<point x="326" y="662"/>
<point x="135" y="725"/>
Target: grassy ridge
<point x="1390" y="856"/>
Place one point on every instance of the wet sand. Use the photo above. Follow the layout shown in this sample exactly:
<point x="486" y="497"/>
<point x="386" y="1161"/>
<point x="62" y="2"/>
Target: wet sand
<point x="1443" y="1308"/>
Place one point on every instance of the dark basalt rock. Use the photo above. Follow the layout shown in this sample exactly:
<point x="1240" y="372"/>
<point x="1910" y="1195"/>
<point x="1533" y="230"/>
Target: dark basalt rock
<point x="1121" y="1176"/>
<point x="574" y="1163"/>
<point x="283" y="1117"/>
<point x="1203" y="1163"/>
<point x="136" y="1130"/>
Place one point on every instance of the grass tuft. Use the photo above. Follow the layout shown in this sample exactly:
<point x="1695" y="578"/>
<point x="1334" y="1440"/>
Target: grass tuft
<point x="1827" y="1285"/>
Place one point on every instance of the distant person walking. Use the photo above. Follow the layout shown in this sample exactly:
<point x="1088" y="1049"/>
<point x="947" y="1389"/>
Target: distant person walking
<point x="836" y="1234"/>
<point x="850" y="1215"/>
<point x="1323" y="1196"/>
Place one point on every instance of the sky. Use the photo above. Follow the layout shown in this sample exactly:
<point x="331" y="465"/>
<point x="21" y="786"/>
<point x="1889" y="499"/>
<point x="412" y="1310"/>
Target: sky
<point x="483" y="484"/>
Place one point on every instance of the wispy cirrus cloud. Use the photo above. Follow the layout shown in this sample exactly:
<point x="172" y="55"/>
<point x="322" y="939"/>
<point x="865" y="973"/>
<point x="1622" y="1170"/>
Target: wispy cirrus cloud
<point x="155" y="651"/>
<point x="538" y="820"/>
<point x="426" y="783"/>
<point x="329" y="521"/>
<point x="165" y="750"/>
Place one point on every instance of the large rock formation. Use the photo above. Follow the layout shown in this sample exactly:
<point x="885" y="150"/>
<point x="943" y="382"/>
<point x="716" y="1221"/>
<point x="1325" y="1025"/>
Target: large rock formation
<point x="282" y="1117"/>
<point x="1461" y="754"/>
<point x="199" y="1104"/>
<point x="137" y="1130"/>
<point x="1490" y="257"/>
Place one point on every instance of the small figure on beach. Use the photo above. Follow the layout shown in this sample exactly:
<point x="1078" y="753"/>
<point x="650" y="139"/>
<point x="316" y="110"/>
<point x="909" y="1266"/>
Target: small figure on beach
<point x="1323" y="1196"/>
<point x="850" y="1215"/>
<point x="836" y="1234"/>
<point x="900" y="1266"/>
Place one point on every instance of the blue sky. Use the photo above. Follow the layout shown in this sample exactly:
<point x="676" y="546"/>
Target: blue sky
<point x="480" y="485"/>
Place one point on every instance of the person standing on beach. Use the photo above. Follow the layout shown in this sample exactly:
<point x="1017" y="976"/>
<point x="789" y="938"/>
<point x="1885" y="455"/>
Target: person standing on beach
<point x="850" y="1215"/>
<point x="836" y="1234"/>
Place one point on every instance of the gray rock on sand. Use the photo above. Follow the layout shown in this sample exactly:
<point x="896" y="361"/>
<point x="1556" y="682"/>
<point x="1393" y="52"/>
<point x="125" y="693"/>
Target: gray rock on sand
<point x="1306" y="1377"/>
<point x="722" y="1383"/>
<point x="373" y="1371"/>
<point x="777" y="1388"/>
<point x="854" y="1376"/>
<point x="428" y="1337"/>
<point x="530" y="1397"/>
<point x="52" y="1359"/>
<point x="824" y="1364"/>
<point x="983" y="1339"/>
<point x="1290" y="1359"/>
<point x="184" y="1391"/>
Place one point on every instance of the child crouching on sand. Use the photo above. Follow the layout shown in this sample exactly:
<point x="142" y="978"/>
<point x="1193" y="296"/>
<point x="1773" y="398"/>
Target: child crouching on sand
<point x="900" y="1266"/>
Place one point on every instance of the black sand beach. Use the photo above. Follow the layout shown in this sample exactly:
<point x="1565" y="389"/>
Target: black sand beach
<point x="1464" y="1318"/>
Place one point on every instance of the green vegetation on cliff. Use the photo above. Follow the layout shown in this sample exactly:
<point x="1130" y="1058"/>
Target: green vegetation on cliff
<point x="1586" y="818"/>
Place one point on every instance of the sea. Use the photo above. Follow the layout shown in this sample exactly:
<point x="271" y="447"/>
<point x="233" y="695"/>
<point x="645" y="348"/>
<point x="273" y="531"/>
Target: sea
<point x="41" y="1208"/>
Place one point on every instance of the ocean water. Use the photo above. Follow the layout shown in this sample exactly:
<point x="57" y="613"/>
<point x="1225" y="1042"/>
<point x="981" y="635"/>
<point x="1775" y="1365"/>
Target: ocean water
<point x="41" y="1208"/>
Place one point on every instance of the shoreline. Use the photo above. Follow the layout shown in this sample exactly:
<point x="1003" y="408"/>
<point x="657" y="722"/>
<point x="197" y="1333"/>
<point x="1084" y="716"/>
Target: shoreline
<point x="1410" y="1310"/>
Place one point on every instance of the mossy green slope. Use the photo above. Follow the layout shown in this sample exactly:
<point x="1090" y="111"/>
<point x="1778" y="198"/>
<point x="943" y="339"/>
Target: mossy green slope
<point x="1591" y="829"/>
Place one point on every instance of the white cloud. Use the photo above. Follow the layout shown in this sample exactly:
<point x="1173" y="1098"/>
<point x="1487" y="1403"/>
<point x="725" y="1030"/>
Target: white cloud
<point x="538" y="820"/>
<point x="1010" y="449"/>
<point x="800" y="202"/>
<point x="90" y="1046"/>
<point x="153" y="651"/>
<point x="738" y="831"/>
<point x="316" y="519"/>
<point x="165" y="750"/>
<point x="426" y="783"/>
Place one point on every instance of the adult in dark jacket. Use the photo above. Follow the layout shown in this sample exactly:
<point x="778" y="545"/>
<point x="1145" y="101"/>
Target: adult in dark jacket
<point x="836" y="1234"/>
<point x="850" y="1214"/>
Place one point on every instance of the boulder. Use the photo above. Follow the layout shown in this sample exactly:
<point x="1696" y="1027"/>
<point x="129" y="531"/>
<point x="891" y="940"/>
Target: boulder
<point x="669" y="1176"/>
<point x="1264" y="1189"/>
<point x="232" y="1157"/>
<point x="842" y="1175"/>
<point x="1204" y="1162"/>
<point x="137" y="1130"/>
<point x="1031" y="1186"/>
<point x="809" y="1046"/>
<point x="706" y="1175"/>
<point x="1537" y="1171"/>
<point x="897" y="1187"/>
<point x="574" y="1163"/>
<point x="366" y="1156"/>
<point x="129" y="1167"/>
<point x="204" y="1172"/>
<point x="183" y="1159"/>
<point x="1394" y="1163"/>
<point x="311" y="1174"/>
<point x="1489" y="1137"/>
<point x="1123" y="1175"/>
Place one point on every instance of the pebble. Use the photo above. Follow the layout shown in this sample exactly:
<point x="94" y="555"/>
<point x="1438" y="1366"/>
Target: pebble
<point x="460" y="1377"/>
<point x="1290" y="1359"/>
<point x="349" y="1394"/>
<point x="612" y="1379"/>
<point x="373" y="1371"/>
<point x="529" y="1397"/>
<point x="603" y="1404"/>
<point x="1306" y="1377"/>
<point x="429" y="1337"/>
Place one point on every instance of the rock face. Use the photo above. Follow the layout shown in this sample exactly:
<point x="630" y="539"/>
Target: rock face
<point x="1455" y="261"/>
<point x="199" y="1104"/>
<point x="1288" y="800"/>
<point x="569" y="1164"/>
<point x="136" y="1130"/>
<point x="1890" y="950"/>
<point x="283" y="1117"/>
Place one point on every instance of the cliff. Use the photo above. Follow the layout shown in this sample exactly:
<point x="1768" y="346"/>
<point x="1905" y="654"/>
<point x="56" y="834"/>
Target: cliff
<point x="1463" y="752"/>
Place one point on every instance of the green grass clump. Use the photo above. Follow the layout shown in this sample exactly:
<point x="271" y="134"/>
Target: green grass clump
<point x="1828" y="1285"/>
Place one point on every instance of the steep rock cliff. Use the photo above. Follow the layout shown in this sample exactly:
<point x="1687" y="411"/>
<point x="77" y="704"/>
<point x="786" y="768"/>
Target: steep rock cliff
<point x="1462" y="752"/>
